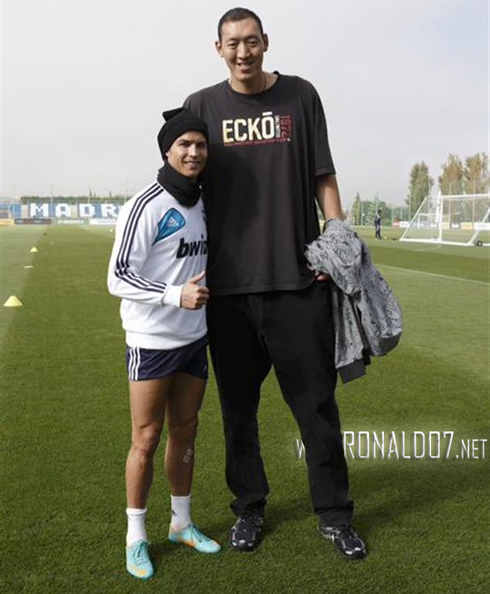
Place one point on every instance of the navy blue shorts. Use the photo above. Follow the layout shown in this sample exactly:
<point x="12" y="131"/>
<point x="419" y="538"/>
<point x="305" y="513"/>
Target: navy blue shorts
<point x="145" y="364"/>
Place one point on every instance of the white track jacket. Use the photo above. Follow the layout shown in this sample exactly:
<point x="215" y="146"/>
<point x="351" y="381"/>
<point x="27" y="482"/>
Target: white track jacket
<point x="159" y="246"/>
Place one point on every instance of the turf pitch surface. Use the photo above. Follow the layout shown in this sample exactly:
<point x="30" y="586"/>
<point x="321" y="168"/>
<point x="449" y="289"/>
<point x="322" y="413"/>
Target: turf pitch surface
<point x="66" y="433"/>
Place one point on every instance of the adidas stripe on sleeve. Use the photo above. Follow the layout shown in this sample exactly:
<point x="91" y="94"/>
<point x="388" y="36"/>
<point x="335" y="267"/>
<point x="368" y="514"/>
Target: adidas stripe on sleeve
<point x="135" y="234"/>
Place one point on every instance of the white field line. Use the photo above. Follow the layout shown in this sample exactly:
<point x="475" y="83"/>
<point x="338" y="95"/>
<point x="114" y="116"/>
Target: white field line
<point x="429" y="249"/>
<point x="455" y="278"/>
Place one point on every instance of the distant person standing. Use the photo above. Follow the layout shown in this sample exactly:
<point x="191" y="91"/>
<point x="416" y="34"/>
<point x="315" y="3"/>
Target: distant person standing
<point x="377" y="225"/>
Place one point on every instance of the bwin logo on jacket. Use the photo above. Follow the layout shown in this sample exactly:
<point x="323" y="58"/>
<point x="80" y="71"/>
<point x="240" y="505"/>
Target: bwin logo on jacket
<point x="171" y="222"/>
<point x="192" y="248"/>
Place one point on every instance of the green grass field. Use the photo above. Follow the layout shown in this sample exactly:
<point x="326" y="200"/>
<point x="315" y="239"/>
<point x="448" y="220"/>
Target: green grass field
<point x="66" y="433"/>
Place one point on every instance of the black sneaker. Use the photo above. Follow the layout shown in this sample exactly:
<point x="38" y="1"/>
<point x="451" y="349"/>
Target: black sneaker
<point x="345" y="540"/>
<point x="245" y="533"/>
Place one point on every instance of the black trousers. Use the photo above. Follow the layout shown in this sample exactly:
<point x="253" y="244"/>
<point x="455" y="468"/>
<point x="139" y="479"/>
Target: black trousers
<point x="293" y="331"/>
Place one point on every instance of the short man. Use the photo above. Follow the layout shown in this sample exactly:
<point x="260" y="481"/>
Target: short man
<point x="158" y="260"/>
<point x="269" y="158"/>
<point x="377" y="225"/>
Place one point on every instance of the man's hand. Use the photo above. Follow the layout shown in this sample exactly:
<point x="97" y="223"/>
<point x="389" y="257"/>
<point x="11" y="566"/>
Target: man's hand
<point x="193" y="295"/>
<point x="319" y="276"/>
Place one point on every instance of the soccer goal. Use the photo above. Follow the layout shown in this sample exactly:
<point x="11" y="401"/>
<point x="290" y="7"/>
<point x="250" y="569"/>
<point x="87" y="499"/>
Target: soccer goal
<point x="462" y="219"/>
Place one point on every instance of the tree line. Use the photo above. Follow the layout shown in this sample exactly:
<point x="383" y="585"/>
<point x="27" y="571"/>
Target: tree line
<point x="456" y="177"/>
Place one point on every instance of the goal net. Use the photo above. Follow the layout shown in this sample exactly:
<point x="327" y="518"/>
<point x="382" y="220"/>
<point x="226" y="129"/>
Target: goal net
<point x="462" y="219"/>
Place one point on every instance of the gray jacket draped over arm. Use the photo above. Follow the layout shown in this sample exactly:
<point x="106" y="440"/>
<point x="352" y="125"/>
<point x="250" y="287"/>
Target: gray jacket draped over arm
<point x="367" y="316"/>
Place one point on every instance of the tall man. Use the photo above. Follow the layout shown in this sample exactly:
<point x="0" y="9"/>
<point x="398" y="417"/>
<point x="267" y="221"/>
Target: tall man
<point x="269" y="158"/>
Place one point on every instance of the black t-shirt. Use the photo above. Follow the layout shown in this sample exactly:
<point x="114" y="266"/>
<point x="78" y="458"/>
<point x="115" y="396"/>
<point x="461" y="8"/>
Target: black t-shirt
<point x="265" y="151"/>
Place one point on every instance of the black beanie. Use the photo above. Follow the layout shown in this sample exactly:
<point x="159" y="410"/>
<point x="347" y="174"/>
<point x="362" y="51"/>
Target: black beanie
<point x="177" y="122"/>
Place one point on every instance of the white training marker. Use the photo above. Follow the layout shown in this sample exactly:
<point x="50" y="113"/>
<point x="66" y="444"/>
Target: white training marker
<point x="13" y="301"/>
<point x="29" y="266"/>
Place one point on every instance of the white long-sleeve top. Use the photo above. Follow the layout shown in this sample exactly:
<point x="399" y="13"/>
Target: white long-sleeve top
<point x="159" y="246"/>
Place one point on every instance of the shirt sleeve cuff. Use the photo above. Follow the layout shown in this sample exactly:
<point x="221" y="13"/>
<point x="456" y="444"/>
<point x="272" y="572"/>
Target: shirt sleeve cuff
<point x="325" y="171"/>
<point x="172" y="295"/>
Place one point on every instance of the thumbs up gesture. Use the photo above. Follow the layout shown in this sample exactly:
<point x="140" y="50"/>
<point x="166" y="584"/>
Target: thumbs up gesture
<point x="194" y="296"/>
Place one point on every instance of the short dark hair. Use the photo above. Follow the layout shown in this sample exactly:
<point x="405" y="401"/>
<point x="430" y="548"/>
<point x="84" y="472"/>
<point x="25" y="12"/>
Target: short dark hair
<point x="239" y="14"/>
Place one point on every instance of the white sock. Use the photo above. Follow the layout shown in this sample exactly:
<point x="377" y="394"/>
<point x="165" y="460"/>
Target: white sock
<point x="181" y="511"/>
<point x="136" y="525"/>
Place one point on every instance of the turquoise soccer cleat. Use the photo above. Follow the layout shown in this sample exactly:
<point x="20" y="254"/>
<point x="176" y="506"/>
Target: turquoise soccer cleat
<point x="192" y="537"/>
<point x="138" y="561"/>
